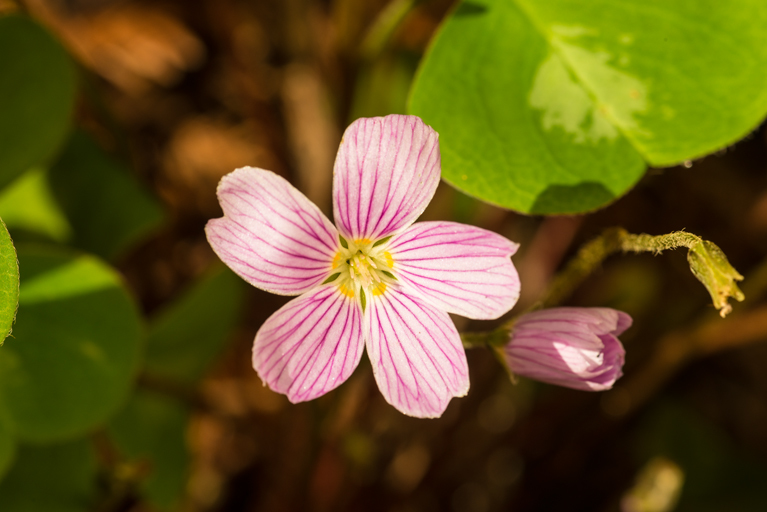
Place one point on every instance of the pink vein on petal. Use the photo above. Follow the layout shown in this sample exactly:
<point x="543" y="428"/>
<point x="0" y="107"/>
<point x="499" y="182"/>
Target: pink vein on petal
<point x="458" y="268"/>
<point x="271" y="234"/>
<point x="311" y="345"/>
<point x="381" y="163"/>
<point x="416" y="354"/>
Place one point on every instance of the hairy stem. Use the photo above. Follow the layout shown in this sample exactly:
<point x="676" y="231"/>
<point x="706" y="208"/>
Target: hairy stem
<point x="593" y="253"/>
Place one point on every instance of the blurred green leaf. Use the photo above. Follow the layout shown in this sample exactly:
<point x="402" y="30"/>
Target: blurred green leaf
<point x="554" y="106"/>
<point x="718" y="475"/>
<point x="37" y="89"/>
<point x="151" y="429"/>
<point x="58" y="478"/>
<point x="9" y="283"/>
<point x="382" y="86"/>
<point x="7" y="447"/>
<point x="75" y="347"/>
<point x="185" y="338"/>
<point x="103" y="203"/>
<point x="27" y="206"/>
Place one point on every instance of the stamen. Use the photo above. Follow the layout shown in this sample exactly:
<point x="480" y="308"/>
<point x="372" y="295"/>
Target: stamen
<point x="365" y="263"/>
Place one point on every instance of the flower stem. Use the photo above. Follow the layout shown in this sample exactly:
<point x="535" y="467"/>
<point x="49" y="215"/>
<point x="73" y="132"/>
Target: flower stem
<point x="611" y="241"/>
<point x="589" y="257"/>
<point x="488" y="339"/>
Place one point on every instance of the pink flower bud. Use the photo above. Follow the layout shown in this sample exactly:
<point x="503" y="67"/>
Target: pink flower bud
<point x="572" y="347"/>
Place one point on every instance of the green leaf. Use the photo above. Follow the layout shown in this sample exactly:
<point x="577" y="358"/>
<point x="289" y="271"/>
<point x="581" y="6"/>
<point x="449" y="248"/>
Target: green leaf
<point x="185" y="338"/>
<point x="7" y="447"/>
<point x="28" y="208"/>
<point x="37" y="89"/>
<point x="104" y="204"/>
<point x="554" y="106"/>
<point x="151" y="431"/>
<point x="59" y="478"/>
<point x="9" y="283"/>
<point x="75" y="348"/>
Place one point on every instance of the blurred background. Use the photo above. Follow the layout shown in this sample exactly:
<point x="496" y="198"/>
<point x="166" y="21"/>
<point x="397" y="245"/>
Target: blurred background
<point x="170" y="96"/>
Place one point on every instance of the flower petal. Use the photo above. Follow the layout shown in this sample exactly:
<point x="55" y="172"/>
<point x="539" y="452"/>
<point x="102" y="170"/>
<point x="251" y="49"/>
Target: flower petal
<point x="271" y="234"/>
<point x="623" y="323"/>
<point x="458" y="268"/>
<point x="310" y="345"/>
<point x="577" y="320"/>
<point x="386" y="172"/>
<point x="416" y="353"/>
<point x="571" y="347"/>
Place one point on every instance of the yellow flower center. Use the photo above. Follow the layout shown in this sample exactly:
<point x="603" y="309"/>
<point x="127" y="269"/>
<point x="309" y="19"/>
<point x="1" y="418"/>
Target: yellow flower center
<point x="362" y="266"/>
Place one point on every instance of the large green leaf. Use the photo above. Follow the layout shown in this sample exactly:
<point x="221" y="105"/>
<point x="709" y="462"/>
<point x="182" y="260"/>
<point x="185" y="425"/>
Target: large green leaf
<point x="107" y="209"/>
<point x="184" y="339"/>
<point x="555" y="106"/>
<point x="37" y="87"/>
<point x="59" y="478"/>
<point x="9" y="283"/>
<point x="151" y="431"/>
<point x="75" y="348"/>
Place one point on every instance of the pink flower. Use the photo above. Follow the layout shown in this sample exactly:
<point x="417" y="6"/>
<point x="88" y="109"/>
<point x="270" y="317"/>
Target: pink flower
<point x="375" y="279"/>
<point x="572" y="347"/>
